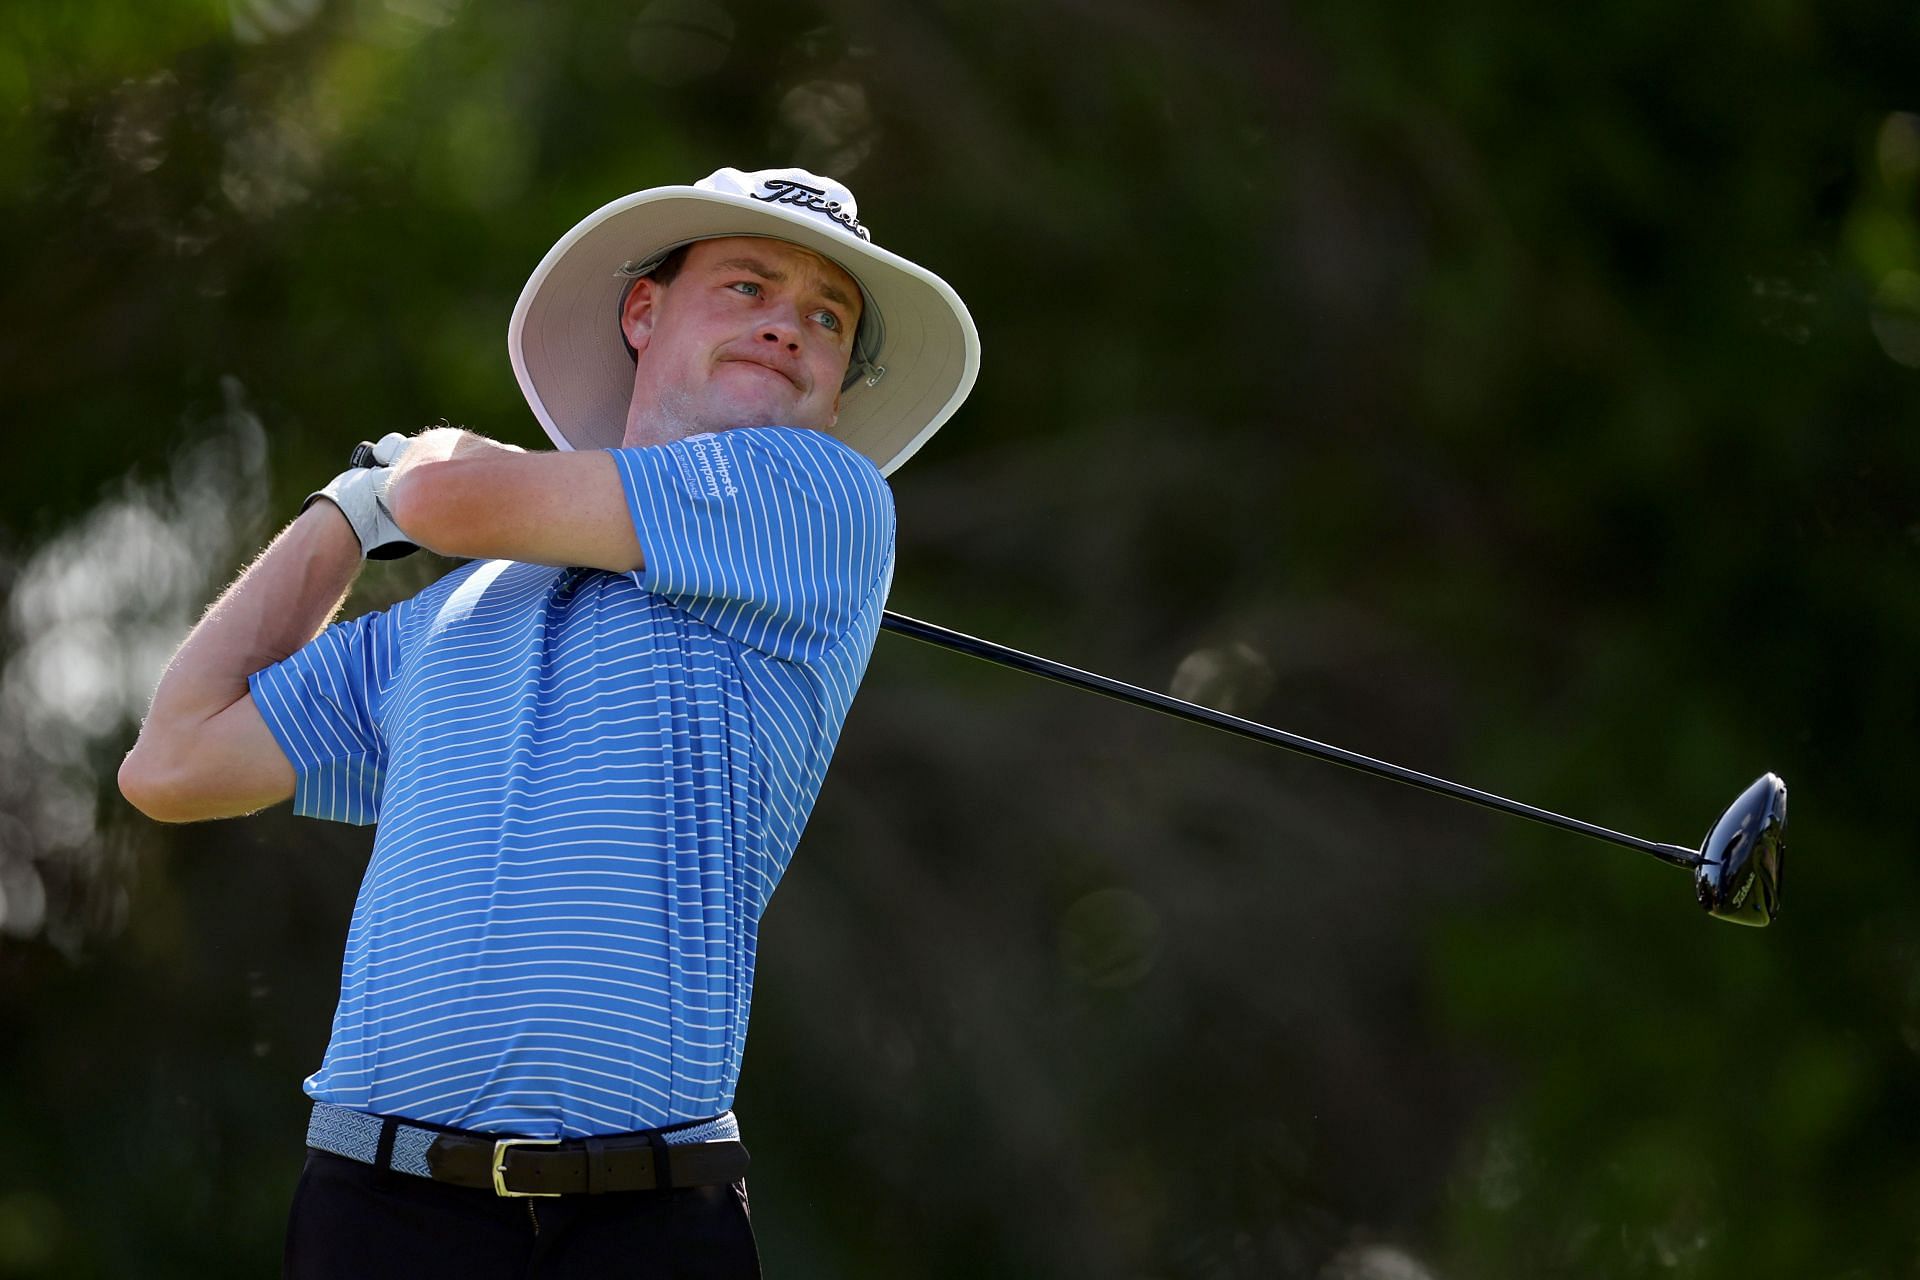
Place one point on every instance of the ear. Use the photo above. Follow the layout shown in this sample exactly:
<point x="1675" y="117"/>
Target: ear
<point x="640" y="310"/>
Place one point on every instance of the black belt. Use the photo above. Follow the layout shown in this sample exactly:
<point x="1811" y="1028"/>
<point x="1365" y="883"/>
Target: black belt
<point x="528" y="1166"/>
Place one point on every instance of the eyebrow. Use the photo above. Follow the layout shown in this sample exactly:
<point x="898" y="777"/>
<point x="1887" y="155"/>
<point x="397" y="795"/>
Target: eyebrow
<point x="828" y="290"/>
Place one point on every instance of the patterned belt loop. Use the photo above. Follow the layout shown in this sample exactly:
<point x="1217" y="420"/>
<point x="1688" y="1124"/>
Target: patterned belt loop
<point x="383" y="1149"/>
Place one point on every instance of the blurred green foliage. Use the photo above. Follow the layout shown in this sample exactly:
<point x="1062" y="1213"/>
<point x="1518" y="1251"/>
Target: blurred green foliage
<point x="1521" y="393"/>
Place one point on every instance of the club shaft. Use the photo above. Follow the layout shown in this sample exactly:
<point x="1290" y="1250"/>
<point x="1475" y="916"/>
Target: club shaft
<point x="975" y="647"/>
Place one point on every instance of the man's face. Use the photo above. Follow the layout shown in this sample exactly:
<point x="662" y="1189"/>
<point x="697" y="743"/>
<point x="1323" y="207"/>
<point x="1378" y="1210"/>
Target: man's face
<point x="753" y="332"/>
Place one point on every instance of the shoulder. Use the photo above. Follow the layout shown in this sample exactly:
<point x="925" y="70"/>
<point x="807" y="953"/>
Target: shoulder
<point x="755" y="465"/>
<point x="808" y="458"/>
<point x="813" y="449"/>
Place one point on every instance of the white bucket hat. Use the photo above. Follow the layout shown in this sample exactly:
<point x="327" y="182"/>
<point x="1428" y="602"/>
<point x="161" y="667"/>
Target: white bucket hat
<point x="916" y="352"/>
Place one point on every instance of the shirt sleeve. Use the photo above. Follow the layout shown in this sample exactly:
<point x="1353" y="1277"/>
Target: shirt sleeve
<point x="775" y="537"/>
<point x="323" y="706"/>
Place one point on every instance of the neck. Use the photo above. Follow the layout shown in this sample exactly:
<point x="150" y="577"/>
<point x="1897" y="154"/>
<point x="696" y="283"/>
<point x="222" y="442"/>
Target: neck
<point x="660" y="421"/>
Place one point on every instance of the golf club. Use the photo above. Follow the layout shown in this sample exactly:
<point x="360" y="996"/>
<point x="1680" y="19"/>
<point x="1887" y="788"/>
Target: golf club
<point x="1736" y="868"/>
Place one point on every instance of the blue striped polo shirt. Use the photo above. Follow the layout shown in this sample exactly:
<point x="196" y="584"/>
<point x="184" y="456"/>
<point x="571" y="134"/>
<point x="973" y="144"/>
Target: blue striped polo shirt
<point x="587" y="785"/>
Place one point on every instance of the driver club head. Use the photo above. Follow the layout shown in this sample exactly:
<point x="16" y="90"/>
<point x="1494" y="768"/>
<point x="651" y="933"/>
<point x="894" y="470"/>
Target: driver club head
<point x="1739" y="877"/>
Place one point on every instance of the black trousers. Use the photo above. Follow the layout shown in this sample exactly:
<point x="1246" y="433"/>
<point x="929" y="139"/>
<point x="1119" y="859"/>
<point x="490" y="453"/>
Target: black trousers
<point x="351" y="1221"/>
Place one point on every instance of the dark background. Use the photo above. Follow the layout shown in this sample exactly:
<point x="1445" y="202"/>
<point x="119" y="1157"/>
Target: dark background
<point x="1519" y="392"/>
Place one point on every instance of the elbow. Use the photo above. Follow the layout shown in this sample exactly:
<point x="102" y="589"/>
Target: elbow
<point x="142" y="787"/>
<point x="151" y="785"/>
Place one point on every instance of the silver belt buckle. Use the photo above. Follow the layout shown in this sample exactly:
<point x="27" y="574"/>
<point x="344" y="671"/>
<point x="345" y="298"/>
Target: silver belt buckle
<point x="500" y="1187"/>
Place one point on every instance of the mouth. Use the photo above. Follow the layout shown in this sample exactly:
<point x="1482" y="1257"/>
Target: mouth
<point x="782" y="374"/>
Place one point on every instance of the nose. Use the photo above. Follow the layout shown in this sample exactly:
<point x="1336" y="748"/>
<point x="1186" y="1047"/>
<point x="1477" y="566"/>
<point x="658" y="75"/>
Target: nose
<point x="782" y="328"/>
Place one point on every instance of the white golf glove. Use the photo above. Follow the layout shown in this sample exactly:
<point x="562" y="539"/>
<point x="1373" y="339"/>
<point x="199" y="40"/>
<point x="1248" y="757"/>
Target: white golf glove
<point x="360" y="493"/>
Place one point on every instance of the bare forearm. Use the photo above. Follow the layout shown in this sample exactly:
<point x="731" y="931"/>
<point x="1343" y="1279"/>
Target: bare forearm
<point x="204" y="750"/>
<point x="427" y="483"/>
<point x="441" y="445"/>
<point x="466" y="496"/>
<point x="278" y="603"/>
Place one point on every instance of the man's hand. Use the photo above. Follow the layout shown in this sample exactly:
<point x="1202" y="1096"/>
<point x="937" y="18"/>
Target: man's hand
<point x="360" y="492"/>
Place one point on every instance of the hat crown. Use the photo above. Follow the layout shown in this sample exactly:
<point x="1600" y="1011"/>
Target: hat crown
<point x="822" y="200"/>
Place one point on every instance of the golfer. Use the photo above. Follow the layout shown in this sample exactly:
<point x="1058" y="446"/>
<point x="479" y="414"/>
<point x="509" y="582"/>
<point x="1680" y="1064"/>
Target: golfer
<point x="589" y="749"/>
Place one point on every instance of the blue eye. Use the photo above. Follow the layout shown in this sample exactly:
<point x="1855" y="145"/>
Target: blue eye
<point x="830" y="320"/>
<point x="747" y="287"/>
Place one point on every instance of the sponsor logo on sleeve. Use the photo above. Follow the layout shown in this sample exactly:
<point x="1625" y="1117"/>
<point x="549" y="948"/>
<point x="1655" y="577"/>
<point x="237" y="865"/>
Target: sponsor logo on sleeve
<point x="706" y="467"/>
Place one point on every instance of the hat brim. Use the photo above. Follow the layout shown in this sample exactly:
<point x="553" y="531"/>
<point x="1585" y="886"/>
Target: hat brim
<point x="574" y="368"/>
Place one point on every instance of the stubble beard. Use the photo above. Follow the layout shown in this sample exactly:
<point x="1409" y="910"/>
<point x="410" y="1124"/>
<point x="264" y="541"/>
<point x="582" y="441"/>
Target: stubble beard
<point x="677" y="414"/>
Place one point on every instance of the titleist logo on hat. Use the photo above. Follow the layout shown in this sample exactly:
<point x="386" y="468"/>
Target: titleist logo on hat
<point x="808" y="192"/>
<point x="787" y="191"/>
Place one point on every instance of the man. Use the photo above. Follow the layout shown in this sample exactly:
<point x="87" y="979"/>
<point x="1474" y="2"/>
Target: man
<point x="590" y="749"/>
